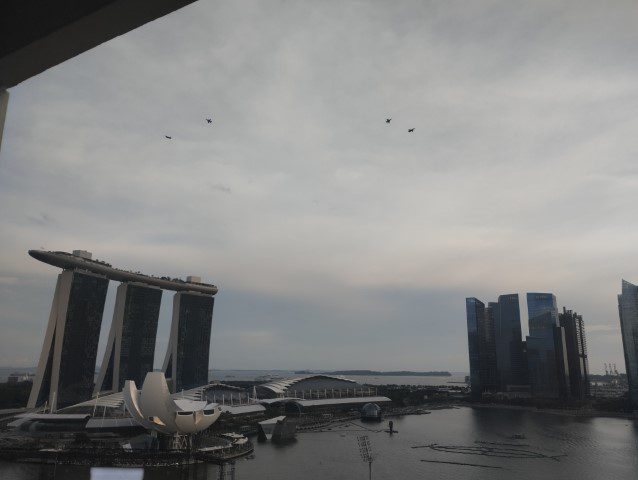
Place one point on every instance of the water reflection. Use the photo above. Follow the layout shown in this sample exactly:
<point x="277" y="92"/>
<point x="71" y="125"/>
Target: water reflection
<point x="585" y="448"/>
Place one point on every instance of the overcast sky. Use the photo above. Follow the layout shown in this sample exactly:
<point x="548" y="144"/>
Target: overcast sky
<point x="337" y="241"/>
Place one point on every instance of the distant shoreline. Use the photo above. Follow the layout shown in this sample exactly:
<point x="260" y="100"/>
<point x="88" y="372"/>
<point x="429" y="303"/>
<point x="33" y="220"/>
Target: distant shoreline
<point x="401" y="373"/>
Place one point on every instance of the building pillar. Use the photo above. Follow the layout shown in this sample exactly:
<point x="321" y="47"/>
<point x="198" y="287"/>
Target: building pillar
<point x="186" y="361"/>
<point x="67" y="363"/>
<point x="4" y="102"/>
<point x="130" y="348"/>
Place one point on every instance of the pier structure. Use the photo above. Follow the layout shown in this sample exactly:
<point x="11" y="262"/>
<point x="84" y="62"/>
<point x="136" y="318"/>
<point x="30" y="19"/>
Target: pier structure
<point x="65" y="373"/>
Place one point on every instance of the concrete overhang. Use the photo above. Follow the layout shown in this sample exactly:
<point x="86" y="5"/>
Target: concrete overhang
<point x="36" y="35"/>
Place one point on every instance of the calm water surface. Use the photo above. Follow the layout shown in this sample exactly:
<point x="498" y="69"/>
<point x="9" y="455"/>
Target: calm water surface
<point x="595" y="448"/>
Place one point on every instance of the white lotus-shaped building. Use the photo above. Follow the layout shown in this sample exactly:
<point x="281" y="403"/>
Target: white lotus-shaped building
<point x="155" y="408"/>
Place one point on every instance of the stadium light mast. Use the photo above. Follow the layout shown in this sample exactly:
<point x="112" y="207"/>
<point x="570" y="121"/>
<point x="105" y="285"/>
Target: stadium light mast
<point x="366" y="452"/>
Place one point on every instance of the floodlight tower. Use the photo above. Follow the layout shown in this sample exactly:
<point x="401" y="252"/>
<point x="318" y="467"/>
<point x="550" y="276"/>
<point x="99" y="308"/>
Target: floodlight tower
<point x="366" y="452"/>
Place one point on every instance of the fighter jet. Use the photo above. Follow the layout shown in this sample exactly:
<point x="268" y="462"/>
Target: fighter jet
<point x="388" y="120"/>
<point x="410" y="130"/>
<point x="209" y="120"/>
<point x="166" y="136"/>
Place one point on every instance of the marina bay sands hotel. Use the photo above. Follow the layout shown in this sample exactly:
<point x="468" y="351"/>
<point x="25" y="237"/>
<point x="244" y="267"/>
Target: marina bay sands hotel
<point x="66" y="370"/>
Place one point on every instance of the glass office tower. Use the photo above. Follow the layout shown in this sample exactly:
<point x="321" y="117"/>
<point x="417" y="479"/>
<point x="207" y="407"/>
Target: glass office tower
<point x="541" y="360"/>
<point x="546" y="351"/>
<point x="481" y="346"/>
<point x="576" y="345"/>
<point x="487" y="339"/>
<point x="475" y="310"/>
<point x="509" y="342"/>
<point x="628" y="313"/>
<point x="66" y="369"/>
<point x="542" y="313"/>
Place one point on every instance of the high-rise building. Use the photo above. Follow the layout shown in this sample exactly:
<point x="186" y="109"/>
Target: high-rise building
<point x="562" y="366"/>
<point x="541" y="362"/>
<point x="542" y="313"/>
<point x="546" y="352"/>
<point x="481" y="347"/>
<point x="547" y="365"/>
<point x="130" y="349"/>
<point x="510" y="360"/>
<point x="487" y="339"/>
<point x="186" y="361"/>
<point x="576" y="346"/>
<point x="475" y="310"/>
<point x="66" y="369"/>
<point x="67" y="363"/>
<point x="628" y="312"/>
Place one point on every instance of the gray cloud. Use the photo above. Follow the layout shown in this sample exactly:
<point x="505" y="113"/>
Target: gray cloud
<point x="341" y="234"/>
<point x="41" y="219"/>
<point x="222" y="188"/>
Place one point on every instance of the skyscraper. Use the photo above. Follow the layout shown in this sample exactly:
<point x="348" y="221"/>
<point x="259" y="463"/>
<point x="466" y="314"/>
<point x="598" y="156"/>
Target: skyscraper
<point x="576" y="346"/>
<point x="546" y="352"/>
<point x="510" y="360"/>
<point x="542" y="313"/>
<point x="487" y="345"/>
<point x="481" y="347"/>
<point x="475" y="310"/>
<point x="562" y="366"/>
<point x="628" y="313"/>
<point x="66" y="369"/>
<point x="130" y="349"/>
<point x="186" y="361"/>
<point x="67" y="363"/>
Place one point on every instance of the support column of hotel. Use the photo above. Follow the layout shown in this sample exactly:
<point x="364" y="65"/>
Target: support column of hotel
<point x="130" y="348"/>
<point x="186" y="361"/>
<point x="67" y="363"/>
